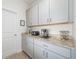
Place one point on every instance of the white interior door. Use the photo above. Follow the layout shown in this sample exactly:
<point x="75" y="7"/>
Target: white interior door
<point x="9" y="40"/>
<point x="8" y="21"/>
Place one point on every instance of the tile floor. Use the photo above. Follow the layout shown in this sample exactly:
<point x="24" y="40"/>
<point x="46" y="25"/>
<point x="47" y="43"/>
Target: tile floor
<point x="20" y="55"/>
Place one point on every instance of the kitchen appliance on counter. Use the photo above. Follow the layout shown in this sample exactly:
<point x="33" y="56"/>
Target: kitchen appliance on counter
<point x="64" y="35"/>
<point x="44" y="33"/>
<point x="35" y="33"/>
<point x="29" y="30"/>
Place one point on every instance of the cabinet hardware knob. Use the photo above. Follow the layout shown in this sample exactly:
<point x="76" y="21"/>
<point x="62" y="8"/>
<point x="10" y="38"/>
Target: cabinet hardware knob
<point x="15" y="34"/>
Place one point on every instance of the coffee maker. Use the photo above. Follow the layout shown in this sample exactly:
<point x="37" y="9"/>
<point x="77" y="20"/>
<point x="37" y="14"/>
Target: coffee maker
<point x="44" y="33"/>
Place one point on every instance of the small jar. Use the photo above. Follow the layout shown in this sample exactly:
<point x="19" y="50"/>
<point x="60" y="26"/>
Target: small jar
<point x="64" y="35"/>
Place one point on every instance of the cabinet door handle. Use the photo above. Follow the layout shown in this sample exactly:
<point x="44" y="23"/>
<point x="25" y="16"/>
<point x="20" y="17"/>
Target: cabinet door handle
<point x="46" y="54"/>
<point x="15" y="34"/>
<point x="47" y="19"/>
<point x="50" y="19"/>
<point x="43" y="53"/>
<point x="45" y="45"/>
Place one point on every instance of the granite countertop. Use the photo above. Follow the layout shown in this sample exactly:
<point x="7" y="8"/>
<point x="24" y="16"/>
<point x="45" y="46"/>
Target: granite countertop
<point x="55" y="39"/>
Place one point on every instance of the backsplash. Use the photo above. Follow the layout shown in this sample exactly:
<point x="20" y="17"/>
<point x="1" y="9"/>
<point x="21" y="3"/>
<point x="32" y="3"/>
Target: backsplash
<point x="55" y="29"/>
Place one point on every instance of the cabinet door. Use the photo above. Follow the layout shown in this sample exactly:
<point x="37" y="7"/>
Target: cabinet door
<point x="58" y="10"/>
<point x="73" y="53"/>
<point x="72" y="10"/>
<point x="34" y="15"/>
<point x="28" y="47"/>
<point x="28" y="17"/>
<point x="38" y="52"/>
<point x="43" y="12"/>
<point x="23" y="42"/>
<point x="51" y="55"/>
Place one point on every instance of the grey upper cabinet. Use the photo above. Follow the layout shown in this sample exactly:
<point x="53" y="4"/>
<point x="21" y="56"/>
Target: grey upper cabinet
<point x="43" y="12"/>
<point x="59" y="11"/>
<point x="72" y="10"/>
<point x="34" y="15"/>
<point x="53" y="11"/>
<point x="49" y="12"/>
<point x="28" y="17"/>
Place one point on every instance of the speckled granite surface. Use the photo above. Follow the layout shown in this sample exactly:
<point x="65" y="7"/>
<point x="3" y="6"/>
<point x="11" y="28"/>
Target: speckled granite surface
<point x="55" y="39"/>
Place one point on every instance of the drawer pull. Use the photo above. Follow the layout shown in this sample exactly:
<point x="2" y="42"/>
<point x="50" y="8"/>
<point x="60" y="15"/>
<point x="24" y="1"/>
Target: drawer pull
<point x="46" y="54"/>
<point x="43" y="53"/>
<point x="45" y="45"/>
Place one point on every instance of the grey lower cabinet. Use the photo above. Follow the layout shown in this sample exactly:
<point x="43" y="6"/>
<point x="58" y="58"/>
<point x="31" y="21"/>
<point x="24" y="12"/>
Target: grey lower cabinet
<point x="27" y="45"/>
<point x="52" y="55"/>
<point x="41" y="50"/>
<point x="29" y="49"/>
<point x="41" y="53"/>
<point x="50" y="12"/>
<point x="23" y="42"/>
<point x="38" y="52"/>
<point x="73" y="53"/>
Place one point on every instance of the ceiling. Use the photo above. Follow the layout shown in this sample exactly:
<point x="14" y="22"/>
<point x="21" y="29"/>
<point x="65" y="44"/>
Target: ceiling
<point x="29" y="1"/>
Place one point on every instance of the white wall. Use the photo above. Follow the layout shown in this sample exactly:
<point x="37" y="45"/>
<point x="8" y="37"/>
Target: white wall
<point x="18" y="6"/>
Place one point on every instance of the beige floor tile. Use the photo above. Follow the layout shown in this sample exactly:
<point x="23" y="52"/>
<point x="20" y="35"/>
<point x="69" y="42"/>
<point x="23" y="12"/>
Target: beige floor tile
<point x="20" y="55"/>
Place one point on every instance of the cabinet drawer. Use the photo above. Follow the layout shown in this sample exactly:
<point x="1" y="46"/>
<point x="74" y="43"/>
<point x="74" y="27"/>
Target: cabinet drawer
<point x="59" y="50"/>
<point x="53" y="48"/>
